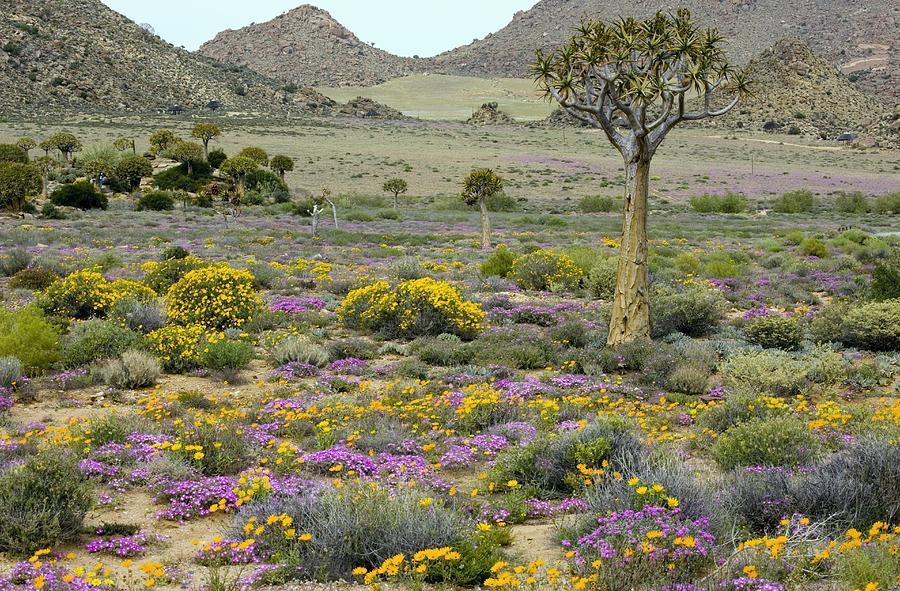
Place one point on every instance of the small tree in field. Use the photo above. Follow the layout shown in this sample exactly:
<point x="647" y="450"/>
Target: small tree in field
<point x="281" y="164"/>
<point x="131" y="169"/>
<point x="258" y="155"/>
<point x="161" y="140"/>
<point x="206" y="132"/>
<point x="17" y="182"/>
<point x="186" y="153"/>
<point x="65" y="142"/>
<point x="395" y="186"/>
<point x="238" y="167"/>
<point x="632" y="79"/>
<point x="478" y="187"/>
<point x="44" y="164"/>
<point x="125" y="143"/>
<point x="26" y="144"/>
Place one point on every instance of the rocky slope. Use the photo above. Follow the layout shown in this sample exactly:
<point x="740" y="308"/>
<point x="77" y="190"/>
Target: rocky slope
<point x="78" y="55"/>
<point x="800" y="92"/>
<point x="306" y="47"/>
<point x="860" y="36"/>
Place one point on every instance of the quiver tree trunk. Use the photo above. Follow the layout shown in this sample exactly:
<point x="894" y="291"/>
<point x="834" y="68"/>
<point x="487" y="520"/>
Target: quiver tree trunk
<point x="485" y="225"/>
<point x="631" y="305"/>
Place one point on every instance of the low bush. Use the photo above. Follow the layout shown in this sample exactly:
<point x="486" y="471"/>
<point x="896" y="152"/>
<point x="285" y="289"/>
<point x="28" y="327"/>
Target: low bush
<point x="779" y="441"/>
<point x="801" y="201"/>
<point x="885" y="280"/>
<point x="81" y="295"/>
<point x="759" y="497"/>
<point x="27" y="335"/>
<point x="44" y="503"/>
<point x="226" y="357"/>
<point x="414" y="308"/>
<point x="34" y="278"/>
<point x="546" y="270"/>
<point x="162" y="275"/>
<point x="499" y="263"/>
<point x="854" y="202"/>
<point x="813" y="247"/>
<point x="80" y="194"/>
<point x="352" y="347"/>
<point x="887" y="203"/>
<point x="176" y="346"/>
<point x="694" y="311"/>
<point x="773" y="371"/>
<point x="13" y="261"/>
<point x="598" y="204"/>
<point x="873" y="326"/>
<point x="728" y="203"/>
<point x="93" y="340"/>
<point x="137" y="315"/>
<point x="134" y="369"/>
<point x="601" y="280"/>
<point x="178" y="179"/>
<point x="299" y="349"/>
<point x="156" y="201"/>
<point x="217" y="297"/>
<point x="10" y="372"/>
<point x="774" y="331"/>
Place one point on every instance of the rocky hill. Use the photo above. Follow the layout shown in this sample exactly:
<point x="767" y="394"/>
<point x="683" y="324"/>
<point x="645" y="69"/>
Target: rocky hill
<point x="80" y="55"/>
<point x="796" y="91"/>
<point x="862" y="37"/>
<point x="306" y="47"/>
<point x="490" y="114"/>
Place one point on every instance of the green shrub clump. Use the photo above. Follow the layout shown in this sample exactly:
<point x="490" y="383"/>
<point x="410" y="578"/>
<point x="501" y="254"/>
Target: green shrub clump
<point x="80" y="194"/>
<point x="545" y="269"/>
<point x="601" y="280"/>
<point x="94" y="340"/>
<point x="774" y="331"/>
<point x="779" y="441"/>
<point x="694" y="311"/>
<point x="499" y="264"/>
<point x="794" y="202"/>
<point x="226" y="357"/>
<point x="874" y="326"/>
<point x="44" y="503"/>
<point x="772" y="371"/>
<point x="728" y="203"/>
<point x="26" y="335"/>
<point x="597" y="204"/>
<point x="156" y="201"/>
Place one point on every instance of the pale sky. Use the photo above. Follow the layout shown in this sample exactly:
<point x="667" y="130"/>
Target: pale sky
<point x="403" y="27"/>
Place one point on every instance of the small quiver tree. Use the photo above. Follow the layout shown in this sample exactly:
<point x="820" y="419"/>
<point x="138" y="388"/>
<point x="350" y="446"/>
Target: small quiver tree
<point x="480" y="185"/>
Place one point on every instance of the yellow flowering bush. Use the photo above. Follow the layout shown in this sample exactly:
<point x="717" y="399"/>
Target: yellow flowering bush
<point x="216" y="297"/>
<point x="83" y="294"/>
<point x="413" y="308"/>
<point x="546" y="270"/>
<point x="127" y="288"/>
<point x="177" y="346"/>
<point x="161" y="275"/>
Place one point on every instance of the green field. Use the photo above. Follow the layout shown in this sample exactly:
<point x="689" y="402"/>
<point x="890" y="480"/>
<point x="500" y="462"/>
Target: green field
<point x="451" y="98"/>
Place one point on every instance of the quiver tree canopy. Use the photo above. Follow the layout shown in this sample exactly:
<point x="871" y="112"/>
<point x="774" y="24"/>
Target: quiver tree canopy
<point x="633" y="79"/>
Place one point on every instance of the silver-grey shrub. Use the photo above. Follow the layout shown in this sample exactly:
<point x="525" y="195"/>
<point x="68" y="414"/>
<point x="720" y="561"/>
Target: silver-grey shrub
<point x="299" y="348"/>
<point x="134" y="369"/>
<point x="10" y="371"/>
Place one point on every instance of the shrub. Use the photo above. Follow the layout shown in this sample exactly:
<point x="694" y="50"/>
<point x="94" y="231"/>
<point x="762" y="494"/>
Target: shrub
<point x="499" y="263"/>
<point x="131" y="169"/>
<point x="216" y="297"/>
<point x="134" y="369"/>
<point x="601" y="281"/>
<point x="258" y="155"/>
<point x="874" y="326"/>
<point x="26" y="334"/>
<point x="10" y="372"/>
<point x="138" y="315"/>
<point x="779" y="441"/>
<point x="774" y="331"/>
<point x="414" y="308"/>
<point x="216" y="158"/>
<point x="357" y="526"/>
<point x="597" y="204"/>
<point x="44" y="503"/>
<point x="14" y="260"/>
<point x="80" y="194"/>
<point x="92" y="340"/>
<point x="694" y="311"/>
<point x="178" y="179"/>
<point x="765" y="371"/>
<point x="34" y="278"/>
<point x="885" y="280"/>
<point x="177" y="346"/>
<point x="299" y="348"/>
<point x="406" y="268"/>
<point x="164" y="274"/>
<point x="887" y="203"/>
<point x="13" y="153"/>
<point x="226" y="357"/>
<point x="794" y="202"/>
<point x="352" y="347"/>
<point x="156" y="201"/>
<point x="83" y="294"/>
<point x="813" y="247"/>
<point x="728" y="203"/>
<point x="759" y="498"/>
<point x="546" y="270"/>
<point x="854" y="202"/>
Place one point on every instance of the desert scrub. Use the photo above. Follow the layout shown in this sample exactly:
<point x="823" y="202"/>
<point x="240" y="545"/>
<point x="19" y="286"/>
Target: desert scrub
<point x="299" y="349"/>
<point x="133" y="369"/>
<point x="161" y="275"/>
<point x="765" y="371"/>
<point x="138" y="315"/>
<point x="414" y="308"/>
<point x="226" y="357"/>
<point x="695" y="310"/>
<point x="10" y="372"/>
<point x="177" y="346"/>
<point x="499" y="263"/>
<point x="874" y="326"/>
<point x="774" y="331"/>
<point x="356" y="526"/>
<point x="217" y="297"/>
<point x="546" y="270"/>
<point x="27" y="335"/>
<point x="601" y="280"/>
<point x="91" y="340"/>
<point x="44" y="503"/>
<point x="779" y="441"/>
<point x="34" y="278"/>
<point x="83" y="294"/>
<point x="156" y="201"/>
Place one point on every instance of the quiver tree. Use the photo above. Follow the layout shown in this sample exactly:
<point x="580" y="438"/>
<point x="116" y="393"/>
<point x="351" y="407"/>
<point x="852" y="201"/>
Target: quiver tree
<point x="206" y="132"/>
<point x="125" y="143"/>
<point x="65" y="142"/>
<point x="280" y="164"/>
<point x="395" y="186"/>
<point x="26" y="144"/>
<point x="17" y="181"/>
<point x="161" y="140"/>
<point x="185" y="153"/>
<point x="131" y="169"/>
<point x="237" y="168"/>
<point x="633" y="79"/>
<point x="478" y="187"/>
